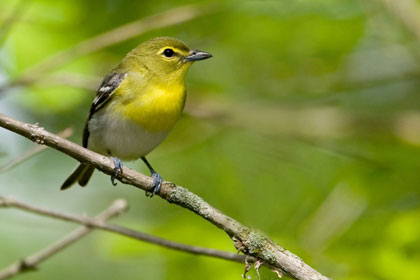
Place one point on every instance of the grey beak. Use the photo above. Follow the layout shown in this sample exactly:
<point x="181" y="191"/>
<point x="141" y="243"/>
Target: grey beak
<point x="196" y="55"/>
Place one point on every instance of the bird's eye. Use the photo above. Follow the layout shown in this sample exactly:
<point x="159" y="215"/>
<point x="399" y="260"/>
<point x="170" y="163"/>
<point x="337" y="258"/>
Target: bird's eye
<point x="168" y="52"/>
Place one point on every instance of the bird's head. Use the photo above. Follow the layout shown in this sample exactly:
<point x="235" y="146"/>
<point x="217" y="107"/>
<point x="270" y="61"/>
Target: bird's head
<point x="166" y="57"/>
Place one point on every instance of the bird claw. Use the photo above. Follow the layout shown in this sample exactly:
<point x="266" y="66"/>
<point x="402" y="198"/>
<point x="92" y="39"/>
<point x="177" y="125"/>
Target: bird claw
<point x="157" y="183"/>
<point x="117" y="170"/>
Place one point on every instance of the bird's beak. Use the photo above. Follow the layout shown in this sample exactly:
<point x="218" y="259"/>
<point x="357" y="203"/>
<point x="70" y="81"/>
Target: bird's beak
<point x="196" y="55"/>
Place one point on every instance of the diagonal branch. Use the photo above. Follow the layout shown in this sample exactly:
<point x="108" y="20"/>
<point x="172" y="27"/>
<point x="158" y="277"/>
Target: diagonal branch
<point x="89" y="223"/>
<point x="66" y="133"/>
<point x="14" y="17"/>
<point x="406" y="11"/>
<point x="99" y="224"/>
<point x="246" y="240"/>
<point x="30" y="263"/>
<point x="117" y="35"/>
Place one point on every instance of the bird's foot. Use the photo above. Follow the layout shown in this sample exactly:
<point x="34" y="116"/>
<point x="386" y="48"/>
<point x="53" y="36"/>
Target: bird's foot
<point x="157" y="183"/>
<point x="117" y="169"/>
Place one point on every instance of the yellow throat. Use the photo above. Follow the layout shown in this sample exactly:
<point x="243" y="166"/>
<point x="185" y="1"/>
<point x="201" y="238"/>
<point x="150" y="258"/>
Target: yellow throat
<point x="155" y="106"/>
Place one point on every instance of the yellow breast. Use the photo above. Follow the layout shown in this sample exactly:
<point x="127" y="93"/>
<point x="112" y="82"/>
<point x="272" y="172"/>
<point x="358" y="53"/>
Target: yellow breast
<point x="155" y="108"/>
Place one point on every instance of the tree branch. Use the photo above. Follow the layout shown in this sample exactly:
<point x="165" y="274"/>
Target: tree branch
<point x="117" y="35"/>
<point x="66" y="133"/>
<point x="99" y="224"/>
<point x="406" y="11"/>
<point x="30" y="263"/>
<point x="246" y="240"/>
<point x="12" y="19"/>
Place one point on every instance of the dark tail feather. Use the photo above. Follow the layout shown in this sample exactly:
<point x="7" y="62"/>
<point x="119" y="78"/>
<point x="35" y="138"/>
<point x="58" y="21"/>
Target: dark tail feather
<point x="75" y="175"/>
<point x="85" y="176"/>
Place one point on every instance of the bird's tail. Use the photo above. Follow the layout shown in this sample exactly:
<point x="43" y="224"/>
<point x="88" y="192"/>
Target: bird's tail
<point x="81" y="174"/>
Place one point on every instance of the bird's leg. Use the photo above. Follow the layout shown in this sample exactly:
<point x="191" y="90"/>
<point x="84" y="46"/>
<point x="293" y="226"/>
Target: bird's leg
<point x="117" y="169"/>
<point x="157" y="179"/>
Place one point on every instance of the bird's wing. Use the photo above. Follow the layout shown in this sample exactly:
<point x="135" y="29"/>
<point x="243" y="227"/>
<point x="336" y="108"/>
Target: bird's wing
<point x="108" y="86"/>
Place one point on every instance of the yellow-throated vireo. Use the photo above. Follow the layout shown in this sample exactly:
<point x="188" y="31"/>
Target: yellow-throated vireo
<point x="136" y="106"/>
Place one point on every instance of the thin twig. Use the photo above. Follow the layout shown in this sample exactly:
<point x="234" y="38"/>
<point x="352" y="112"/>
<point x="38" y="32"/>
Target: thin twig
<point x="14" y="17"/>
<point x="98" y="224"/>
<point x="88" y="83"/>
<point x="109" y="38"/>
<point x="406" y="11"/>
<point x="31" y="263"/>
<point x="246" y="240"/>
<point x="66" y="133"/>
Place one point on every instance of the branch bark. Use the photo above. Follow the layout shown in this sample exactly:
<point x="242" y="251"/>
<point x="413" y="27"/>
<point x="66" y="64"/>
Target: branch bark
<point x="31" y="263"/>
<point x="66" y="133"/>
<point x="246" y="240"/>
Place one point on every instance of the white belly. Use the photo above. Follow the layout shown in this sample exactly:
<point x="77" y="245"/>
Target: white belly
<point x="121" y="138"/>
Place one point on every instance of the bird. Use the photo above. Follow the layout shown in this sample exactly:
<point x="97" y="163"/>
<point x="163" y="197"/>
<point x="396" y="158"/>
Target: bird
<point x="136" y="106"/>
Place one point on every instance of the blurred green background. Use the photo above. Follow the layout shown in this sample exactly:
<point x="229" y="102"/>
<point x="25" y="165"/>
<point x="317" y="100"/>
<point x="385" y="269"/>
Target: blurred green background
<point x="304" y="125"/>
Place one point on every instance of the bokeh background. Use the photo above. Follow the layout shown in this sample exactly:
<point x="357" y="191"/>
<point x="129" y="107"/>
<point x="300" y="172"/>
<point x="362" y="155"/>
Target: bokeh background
<point x="304" y="125"/>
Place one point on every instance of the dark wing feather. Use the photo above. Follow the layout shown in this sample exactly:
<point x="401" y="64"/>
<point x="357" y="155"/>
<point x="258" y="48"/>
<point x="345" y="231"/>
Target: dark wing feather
<point x="109" y="84"/>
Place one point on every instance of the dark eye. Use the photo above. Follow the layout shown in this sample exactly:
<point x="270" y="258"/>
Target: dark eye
<point x="168" y="52"/>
